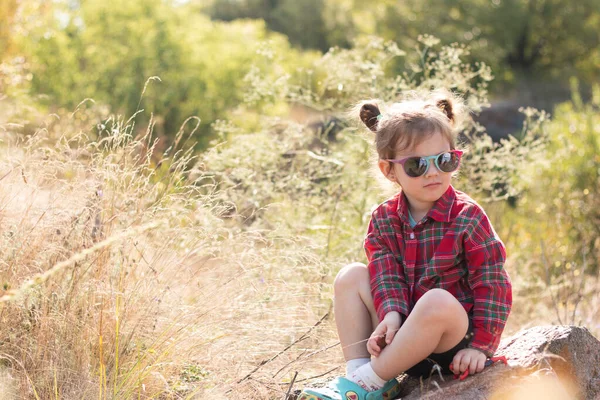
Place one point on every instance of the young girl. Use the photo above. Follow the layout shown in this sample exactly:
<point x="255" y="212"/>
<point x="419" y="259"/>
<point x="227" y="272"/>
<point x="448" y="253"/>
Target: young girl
<point x="435" y="290"/>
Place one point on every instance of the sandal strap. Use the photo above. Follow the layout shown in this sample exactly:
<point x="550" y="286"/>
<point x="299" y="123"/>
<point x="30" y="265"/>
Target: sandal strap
<point x="344" y="389"/>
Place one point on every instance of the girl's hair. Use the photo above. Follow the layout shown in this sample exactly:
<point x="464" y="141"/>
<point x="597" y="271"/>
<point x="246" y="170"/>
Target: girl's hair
<point x="406" y="124"/>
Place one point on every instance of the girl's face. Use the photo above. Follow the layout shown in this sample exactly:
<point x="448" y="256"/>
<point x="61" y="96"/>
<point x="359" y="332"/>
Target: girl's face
<point x="424" y="190"/>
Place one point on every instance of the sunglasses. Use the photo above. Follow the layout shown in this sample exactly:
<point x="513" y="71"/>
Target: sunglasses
<point x="418" y="166"/>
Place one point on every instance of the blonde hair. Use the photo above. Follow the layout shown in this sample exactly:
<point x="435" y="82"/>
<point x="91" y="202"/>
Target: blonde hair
<point x="406" y="124"/>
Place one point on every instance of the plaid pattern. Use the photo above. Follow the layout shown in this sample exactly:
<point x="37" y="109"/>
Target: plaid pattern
<point x="454" y="248"/>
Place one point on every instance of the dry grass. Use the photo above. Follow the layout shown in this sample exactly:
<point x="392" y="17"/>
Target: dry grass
<point x="119" y="280"/>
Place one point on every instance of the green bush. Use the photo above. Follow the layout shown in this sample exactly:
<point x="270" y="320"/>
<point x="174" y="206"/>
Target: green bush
<point x="564" y="197"/>
<point x="323" y="185"/>
<point x="107" y="51"/>
<point x="552" y="232"/>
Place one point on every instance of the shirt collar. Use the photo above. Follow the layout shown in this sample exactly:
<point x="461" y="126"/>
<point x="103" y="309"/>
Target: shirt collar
<point x="439" y="212"/>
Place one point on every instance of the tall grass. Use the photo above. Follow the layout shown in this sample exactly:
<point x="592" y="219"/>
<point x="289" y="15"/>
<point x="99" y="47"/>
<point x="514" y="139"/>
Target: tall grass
<point x="119" y="278"/>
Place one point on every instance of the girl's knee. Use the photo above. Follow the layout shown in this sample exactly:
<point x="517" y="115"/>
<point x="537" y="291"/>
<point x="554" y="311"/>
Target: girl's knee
<point x="351" y="276"/>
<point x="440" y="302"/>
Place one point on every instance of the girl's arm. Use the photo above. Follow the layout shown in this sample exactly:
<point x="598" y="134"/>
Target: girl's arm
<point x="388" y="286"/>
<point x="491" y="286"/>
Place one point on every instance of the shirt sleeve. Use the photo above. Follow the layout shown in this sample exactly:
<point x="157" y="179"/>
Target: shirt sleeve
<point x="490" y="283"/>
<point x="388" y="286"/>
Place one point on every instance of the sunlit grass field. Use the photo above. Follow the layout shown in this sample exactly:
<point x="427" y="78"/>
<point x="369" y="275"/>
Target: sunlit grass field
<point x="133" y="266"/>
<point x="121" y="279"/>
<point x="128" y="274"/>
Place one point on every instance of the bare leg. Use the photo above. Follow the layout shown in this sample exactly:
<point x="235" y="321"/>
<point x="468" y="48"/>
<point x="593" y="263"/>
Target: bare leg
<point x="355" y="315"/>
<point x="437" y="323"/>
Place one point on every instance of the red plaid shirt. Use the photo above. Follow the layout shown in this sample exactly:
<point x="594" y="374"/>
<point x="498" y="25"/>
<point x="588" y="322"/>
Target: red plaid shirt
<point x="454" y="248"/>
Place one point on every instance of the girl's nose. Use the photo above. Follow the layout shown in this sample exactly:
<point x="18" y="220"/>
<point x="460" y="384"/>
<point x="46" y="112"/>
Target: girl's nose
<point x="432" y="170"/>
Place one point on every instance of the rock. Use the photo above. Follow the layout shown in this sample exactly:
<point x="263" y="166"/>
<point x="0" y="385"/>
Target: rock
<point x="545" y="362"/>
<point x="501" y="119"/>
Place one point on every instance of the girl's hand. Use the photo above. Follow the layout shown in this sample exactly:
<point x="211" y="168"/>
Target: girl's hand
<point x="386" y="329"/>
<point x="471" y="359"/>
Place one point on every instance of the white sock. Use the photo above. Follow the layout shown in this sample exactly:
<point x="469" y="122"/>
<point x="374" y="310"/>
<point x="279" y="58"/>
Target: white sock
<point x="367" y="378"/>
<point x="353" y="365"/>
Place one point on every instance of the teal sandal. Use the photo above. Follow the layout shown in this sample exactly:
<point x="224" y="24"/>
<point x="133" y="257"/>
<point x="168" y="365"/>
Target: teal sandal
<point x="344" y="389"/>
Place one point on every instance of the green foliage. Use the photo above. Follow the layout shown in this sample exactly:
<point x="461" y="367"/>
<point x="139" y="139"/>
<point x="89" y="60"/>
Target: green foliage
<point x="515" y="37"/>
<point x="552" y="233"/>
<point x="342" y="77"/>
<point x="302" y="21"/>
<point x="321" y="183"/>
<point x="107" y="51"/>
<point x="564" y="198"/>
<point x="71" y="50"/>
<point x="193" y="373"/>
<point x="552" y="38"/>
<point x="493" y="170"/>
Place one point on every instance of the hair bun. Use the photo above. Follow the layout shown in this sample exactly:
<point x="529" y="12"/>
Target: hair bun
<point x="368" y="115"/>
<point x="446" y="106"/>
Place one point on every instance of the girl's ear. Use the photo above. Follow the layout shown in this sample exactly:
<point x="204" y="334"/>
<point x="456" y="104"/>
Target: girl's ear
<point x="386" y="169"/>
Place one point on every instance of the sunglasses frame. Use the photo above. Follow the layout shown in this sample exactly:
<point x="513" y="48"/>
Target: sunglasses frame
<point x="428" y="159"/>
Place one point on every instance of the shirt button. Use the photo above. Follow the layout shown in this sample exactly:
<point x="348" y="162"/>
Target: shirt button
<point x="412" y="235"/>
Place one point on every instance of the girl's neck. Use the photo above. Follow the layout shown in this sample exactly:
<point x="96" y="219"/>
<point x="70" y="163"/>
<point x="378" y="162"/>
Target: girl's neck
<point x="418" y="209"/>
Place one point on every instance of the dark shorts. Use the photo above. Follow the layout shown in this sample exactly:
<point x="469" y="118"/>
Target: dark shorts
<point x="425" y="368"/>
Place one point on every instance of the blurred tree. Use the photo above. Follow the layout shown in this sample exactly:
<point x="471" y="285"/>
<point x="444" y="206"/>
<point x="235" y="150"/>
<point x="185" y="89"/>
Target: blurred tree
<point x="17" y="17"/>
<point x="302" y="21"/>
<point x="517" y="38"/>
<point x="8" y="10"/>
<point x="564" y="198"/>
<point x="541" y="38"/>
<point x="107" y="50"/>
